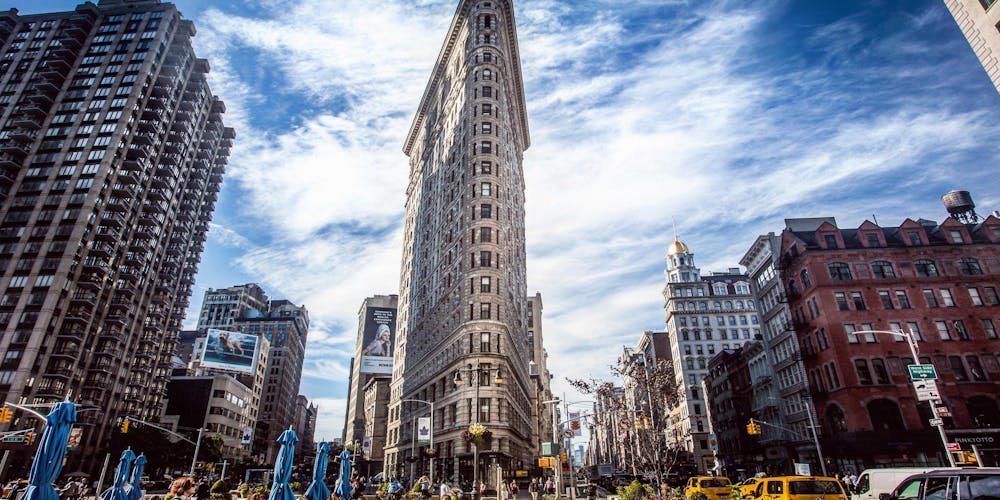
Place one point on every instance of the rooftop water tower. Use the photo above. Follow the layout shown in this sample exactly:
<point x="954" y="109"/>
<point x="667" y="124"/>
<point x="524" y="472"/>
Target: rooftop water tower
<point x="960" y="206"/>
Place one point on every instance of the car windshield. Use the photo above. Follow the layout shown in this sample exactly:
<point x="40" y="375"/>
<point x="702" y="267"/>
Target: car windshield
<point x="813" y="487"/>
<point x="714" y="483"/>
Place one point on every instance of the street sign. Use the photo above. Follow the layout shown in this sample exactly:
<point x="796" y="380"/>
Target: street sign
<point x="922" y="372"/>
<point x="568" y="433"/>
<point x="935" y="422"/>
<point x="802" y="469"/>
<point x="943" y="411"/>
<point x="954" y="446"/>
<point x="926" y="390"/>
<point x="13" y="439"/>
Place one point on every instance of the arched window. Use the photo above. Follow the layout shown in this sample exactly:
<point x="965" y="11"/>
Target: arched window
<point x="835" y="419"/>
<point x="739" y="304"/>
<point x="702" y="306"/>
<point x="882" y="269"/>
<point x="716" y="305"/>
<point x="885" y="415"/>
<point x="968" y="265"/>
<point x="750" y="304"/>
<point x="839" y="271"/>
<point x="925" y="268"/>
<point x="804" y="277"/>
<point x="729" y="304"/>
<point x="984" y="411"/>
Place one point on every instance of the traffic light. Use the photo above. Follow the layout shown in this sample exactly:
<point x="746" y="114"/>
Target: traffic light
<point x="29" y="438"/>
<point x="6" y="415"/>
<point x="753" y="428"/>
<point x="125" y="426"/>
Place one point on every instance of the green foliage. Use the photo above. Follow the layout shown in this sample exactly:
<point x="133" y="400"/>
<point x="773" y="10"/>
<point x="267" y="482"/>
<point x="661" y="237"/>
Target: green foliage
<point x="697" y="496"/>
<point x="635" y="491"/>
<point x="220" y="486"/>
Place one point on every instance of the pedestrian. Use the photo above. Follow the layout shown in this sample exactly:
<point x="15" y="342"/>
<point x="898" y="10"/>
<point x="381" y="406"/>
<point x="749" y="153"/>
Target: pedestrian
<point x="504" y="490"/>
<point x="533" y="488"/>
<point x="550" y="488"/>
<point x="182" y="488"/>
<point x="514" y="488"/>
<point x="592" y="491"/>
<point x="203" y="491"/>
<point x="482" y="488"/>
<point x="445" y="490"/>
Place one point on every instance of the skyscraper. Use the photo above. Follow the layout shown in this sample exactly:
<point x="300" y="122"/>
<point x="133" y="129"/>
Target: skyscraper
<point x="374" y="311"/>
<point x="979" y="21"/>
<point x="462" y="298"/>
<point x="704" y="315"/>
<point x="112" y="151"/>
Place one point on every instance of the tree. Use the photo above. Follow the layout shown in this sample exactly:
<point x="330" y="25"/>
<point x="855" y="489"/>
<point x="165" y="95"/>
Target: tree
<point x="640" y="417"/>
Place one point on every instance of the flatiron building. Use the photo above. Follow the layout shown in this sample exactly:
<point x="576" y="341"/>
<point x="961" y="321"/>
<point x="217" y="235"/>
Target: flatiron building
<point x="462" y="299"/>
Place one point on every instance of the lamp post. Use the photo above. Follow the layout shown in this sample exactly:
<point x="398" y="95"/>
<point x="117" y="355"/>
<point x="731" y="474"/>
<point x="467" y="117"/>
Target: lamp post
<point x="431" y="444"/>
<point x="555" y="440"/>
<point x="476" y="377"/>
<point x="569" y="449"/>
<point x="911" y="341"/>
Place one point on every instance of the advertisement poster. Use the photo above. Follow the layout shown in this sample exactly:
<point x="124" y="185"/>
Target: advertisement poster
<point x="232" y="351"/>
<point x="366" y="445"/>
<point x="378" y="341"/>
<point x="247" y="436"/>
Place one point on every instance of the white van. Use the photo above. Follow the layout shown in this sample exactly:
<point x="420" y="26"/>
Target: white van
<point x="872" y="482"/>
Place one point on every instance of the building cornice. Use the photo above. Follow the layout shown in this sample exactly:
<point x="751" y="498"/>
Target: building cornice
<point x="440" y="68"/>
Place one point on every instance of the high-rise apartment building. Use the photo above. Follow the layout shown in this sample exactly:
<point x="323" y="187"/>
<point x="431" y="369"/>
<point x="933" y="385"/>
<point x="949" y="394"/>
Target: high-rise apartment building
<point x="112" y="151"/>
<point x="541" y="421"/>
<point x="462" y="298"/>
<point x="285" y="325"/>
<point x="704" y="315"/>
<point x="368" y="364"/>
<point x="220" y="308"/>
<point x="979" y="21"/>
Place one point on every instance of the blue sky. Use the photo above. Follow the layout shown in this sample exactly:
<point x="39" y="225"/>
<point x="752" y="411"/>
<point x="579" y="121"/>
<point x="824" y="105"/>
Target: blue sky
<point x="726" y="117"/>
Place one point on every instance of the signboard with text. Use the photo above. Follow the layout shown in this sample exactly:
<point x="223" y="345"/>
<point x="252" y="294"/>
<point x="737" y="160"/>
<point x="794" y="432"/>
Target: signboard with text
<point x="927" y="390"/>
<point x="922" y="372"/>
<point x="378" y="338"/>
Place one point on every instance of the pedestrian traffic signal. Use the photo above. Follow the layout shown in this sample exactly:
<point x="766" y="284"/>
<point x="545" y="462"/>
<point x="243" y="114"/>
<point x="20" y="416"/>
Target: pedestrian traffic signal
<point x="753" y="428"/>
<point x="6" y="415"/>
<point x="125" y="426"/>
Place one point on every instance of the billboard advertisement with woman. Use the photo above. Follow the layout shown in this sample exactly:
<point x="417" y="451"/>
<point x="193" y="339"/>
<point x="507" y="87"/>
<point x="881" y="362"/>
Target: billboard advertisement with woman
<point x="233" y="351"/>
<point x="377" y="343"/>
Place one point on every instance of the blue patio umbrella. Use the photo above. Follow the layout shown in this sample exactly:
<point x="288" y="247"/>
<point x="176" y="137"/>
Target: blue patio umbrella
<point x="344" y="488"/>
<point x="51" y="450"/>
<point x="135" y="493"/>
<point x="117" y="490"/>
<point x="318" y="489"/>
<point x="280" y="490"/>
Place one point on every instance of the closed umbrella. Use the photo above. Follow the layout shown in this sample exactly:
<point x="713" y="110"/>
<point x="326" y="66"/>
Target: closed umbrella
<point x="318" y="489"/>
<point x="135" y="493"/>
<point x="280" y="490"/>
<point x="344" y="488"/>
<point x="117" y="490"/>
<point x="51" y="450"/>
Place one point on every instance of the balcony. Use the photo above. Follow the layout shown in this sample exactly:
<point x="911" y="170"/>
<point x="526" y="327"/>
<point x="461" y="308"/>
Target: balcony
<point x="83" y="299"/>
<point x="67" y="350"/>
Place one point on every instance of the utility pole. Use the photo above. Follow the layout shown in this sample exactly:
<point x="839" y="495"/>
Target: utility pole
<point x="197" y="448"/>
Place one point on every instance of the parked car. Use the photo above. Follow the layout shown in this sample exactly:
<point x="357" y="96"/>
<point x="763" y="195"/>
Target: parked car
<point x="715" y="488"/>
<point x="874" y="482"/>
<point x="747" y="487"/>
<point x="799" y="488"/>
<point x="949" y="484"/>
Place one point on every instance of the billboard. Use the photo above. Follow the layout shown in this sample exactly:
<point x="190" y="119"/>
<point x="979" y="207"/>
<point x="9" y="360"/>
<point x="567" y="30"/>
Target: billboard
<point x="233" y="351"/>
<point x="379" y="337"/>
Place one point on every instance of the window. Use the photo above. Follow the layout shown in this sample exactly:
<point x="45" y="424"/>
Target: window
<point x="849" y="329"/>
<point x="485" y="259"/>
<point x="804" y="277"/>
<point x="881" y="375"/>
<point x="486" y="211"/>
<point x="831" y="240"/>
<point x="903" y="299"/>
<point x="841" y="299"/>
<point x="484" y="284"/>
<point x="925" y="268"/>
<point x="484" y="310"/>
<point x="484" y="342"/>
<point x="839" y="271"/>
<point x="991" y="295"/>
<point x="977" y="300"/>
<point x="958" y="368"/>
<point x="487" y="128"/>
<point x="859" y="301"/>
<point x="989" y="328"/>
<point x="484" y="406"/>
<point x="942" y="328"/>
<point x="886" y="298"/>
<point x="914" y="328"/>
<point x="864" y="373"/>
<point x="914" y="237"/>
<point x="485" y="189"/>
<point x="975" y="368"/>
<point x="930" y="298"/>
<point x="486" y="167"/>
<point x="960" y="330"/>
<point x="970" y="266"/>
<point x="947" y="300"/>
<point x="882" y="269"/>
<point x="956" y="236"/>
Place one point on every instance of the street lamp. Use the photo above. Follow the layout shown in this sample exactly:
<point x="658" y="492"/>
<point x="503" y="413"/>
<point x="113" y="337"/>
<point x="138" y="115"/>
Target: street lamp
<point x="476" y="377"/>
<point x="911" y="341"/>
<point x="413" y="443"/>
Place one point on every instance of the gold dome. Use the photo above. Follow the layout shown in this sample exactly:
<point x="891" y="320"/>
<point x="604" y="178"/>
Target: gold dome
<point x="677" y="247"/>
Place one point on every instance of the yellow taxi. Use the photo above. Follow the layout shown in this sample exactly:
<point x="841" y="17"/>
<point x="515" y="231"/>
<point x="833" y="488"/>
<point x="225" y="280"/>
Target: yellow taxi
<point x="715" y="488"/>
<point x="799" y="488"/>
<point x="749" y="486"/>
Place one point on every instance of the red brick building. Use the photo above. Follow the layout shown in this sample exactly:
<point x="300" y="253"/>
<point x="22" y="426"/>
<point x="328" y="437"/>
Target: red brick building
<point x="939" y="280"/>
